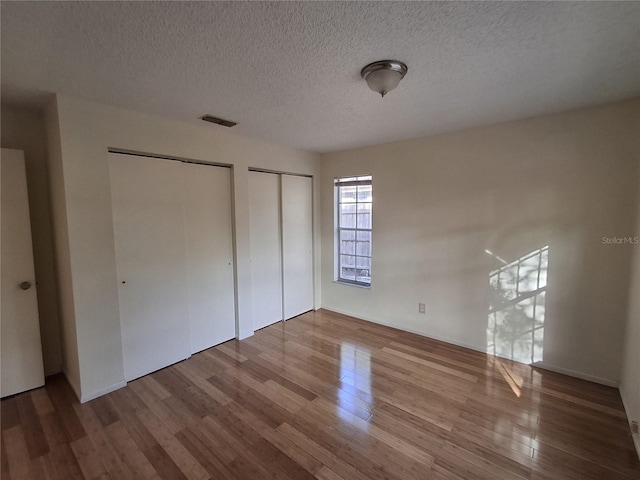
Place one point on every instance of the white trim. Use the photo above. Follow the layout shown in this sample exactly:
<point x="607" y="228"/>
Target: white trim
<point x="243" y="335"/>
<point x="545" y="366"/>
<point x="573" y="373"/>
<point x="366" y="286"/>
<point x="410" y="330"/>
<point x="97" y="393"/>
<point x="636" y="442"/>
<point x="103" y="391"/>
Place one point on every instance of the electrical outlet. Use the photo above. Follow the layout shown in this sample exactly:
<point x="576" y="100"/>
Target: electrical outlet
<point x="421" y="308"/>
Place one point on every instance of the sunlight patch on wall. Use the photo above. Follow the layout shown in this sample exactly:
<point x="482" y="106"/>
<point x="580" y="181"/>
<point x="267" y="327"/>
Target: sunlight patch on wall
<point x="515" y="326"/>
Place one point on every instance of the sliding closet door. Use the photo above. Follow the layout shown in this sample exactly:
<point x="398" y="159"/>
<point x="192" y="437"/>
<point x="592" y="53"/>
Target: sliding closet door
<point x="297" y="245"/>
<point x="207" y="220"/>
<point x="151" y="262"/>
<point x="266" y="260"/>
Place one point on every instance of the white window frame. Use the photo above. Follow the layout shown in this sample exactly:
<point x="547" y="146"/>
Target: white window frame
<point x="339" y="182"/>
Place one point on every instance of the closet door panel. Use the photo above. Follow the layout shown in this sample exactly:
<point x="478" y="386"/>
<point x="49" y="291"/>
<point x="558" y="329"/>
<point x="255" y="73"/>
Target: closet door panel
<point x="20" y="350"/>
<point x="151" y="262"/>
<point x="207" y="220"/>
<point x="266" y="260"/>
<point x="297" y="245"/>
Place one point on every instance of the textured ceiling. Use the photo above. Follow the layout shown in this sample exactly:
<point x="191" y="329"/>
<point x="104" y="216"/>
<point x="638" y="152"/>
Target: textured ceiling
<point x="289" y="72"/>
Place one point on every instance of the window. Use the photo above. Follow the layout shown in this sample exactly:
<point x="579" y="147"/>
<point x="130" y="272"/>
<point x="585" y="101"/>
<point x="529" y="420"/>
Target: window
<point x="353" y="230"/>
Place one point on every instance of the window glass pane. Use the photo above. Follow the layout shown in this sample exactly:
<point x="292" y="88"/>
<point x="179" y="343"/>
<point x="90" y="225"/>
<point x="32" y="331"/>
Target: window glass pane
<point x="363" y="243"/>
<point x="364" y="215"/>
<point x="363" y="236"/>
<point x="347" y="242"/>
<point x="364" y="193"/>
<point x="363" y="269"/>
<point x="363" y="262"/>
<point x="347" y="267"/>
<point x="347" y="194"/>
<point x="347" y="235"/>
<point x="363" y="249"/>
<point x="348" y="215"/>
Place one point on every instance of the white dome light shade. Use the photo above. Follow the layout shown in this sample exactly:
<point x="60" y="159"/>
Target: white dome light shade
<point x="384" y="76"/>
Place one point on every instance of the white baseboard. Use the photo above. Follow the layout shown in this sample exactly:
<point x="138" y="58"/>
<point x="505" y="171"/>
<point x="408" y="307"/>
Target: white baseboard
<point x="410" y="330"/>
<point x="243" y="335"/>
<point x="103" y="391"/>
<point x="573" y="373"/>
<point x="95" y="394"/>
<point x="545" y="366"/>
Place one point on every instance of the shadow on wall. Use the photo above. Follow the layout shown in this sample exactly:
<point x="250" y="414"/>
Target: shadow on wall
<point x="515" y="323"/>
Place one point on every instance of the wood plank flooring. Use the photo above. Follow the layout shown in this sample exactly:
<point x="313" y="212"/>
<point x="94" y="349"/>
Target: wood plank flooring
<point x="328" y="397"/>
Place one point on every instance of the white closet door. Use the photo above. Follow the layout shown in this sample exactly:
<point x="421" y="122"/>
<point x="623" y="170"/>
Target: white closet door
<point x="207" y="218"/>
<point x="21" y="357"/>
<point x="151" y="262"/>
<point x="297" y="245"/>
<point x="266" y="260"/>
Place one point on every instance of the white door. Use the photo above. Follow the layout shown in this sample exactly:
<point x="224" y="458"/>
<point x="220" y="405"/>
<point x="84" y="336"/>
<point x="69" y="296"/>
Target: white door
<point x="265" y="246"/>
<point x="151" y="261"/>
<point x="207" y="220"/>
<point x="21" y="357"/>
<point x="297" y="245"/>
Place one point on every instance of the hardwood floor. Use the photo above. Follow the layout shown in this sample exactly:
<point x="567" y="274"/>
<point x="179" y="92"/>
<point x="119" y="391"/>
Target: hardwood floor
<point x="329" y="397"/>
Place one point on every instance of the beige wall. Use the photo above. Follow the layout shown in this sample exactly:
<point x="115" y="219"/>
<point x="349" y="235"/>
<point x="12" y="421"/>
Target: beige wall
<point x="563" y="180"/>
<point x="24" y="130"/>
<point x="86" y="132"/>
<point x="71" y="362"/>
<point x="630" y="382"/>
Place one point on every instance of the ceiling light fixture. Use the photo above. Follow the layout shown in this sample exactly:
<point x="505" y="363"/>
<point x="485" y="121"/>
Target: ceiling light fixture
<point x="384" y="76"/>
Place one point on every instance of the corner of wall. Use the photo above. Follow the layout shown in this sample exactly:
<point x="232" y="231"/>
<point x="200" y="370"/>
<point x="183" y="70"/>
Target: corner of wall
<point x="86" y="397"/>
<point x="630" y="379"/>
<point x="62" y="263"/>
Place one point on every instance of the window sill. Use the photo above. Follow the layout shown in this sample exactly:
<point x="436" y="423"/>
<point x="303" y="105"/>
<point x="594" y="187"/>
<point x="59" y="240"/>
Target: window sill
<point x="348" y="284"/>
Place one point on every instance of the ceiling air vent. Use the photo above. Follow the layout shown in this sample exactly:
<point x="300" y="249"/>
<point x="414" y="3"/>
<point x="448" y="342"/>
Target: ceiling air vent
<point x="218" y="121"/>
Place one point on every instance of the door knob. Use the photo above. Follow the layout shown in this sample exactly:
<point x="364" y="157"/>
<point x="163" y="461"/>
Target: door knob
<point x="25" y="285"/>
